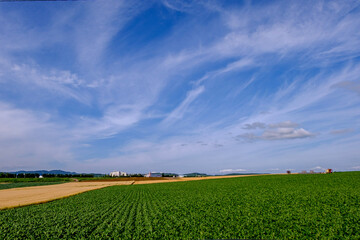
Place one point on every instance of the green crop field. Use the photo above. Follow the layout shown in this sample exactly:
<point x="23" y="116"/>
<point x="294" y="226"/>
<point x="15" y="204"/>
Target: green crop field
<point x="262" y="207"/>
<point x="24" y="184"/>
<point x="28" y="180"/>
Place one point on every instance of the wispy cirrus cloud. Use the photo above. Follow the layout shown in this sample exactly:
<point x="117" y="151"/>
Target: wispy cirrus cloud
<point x="61" y="82"/>
<point x="279" y="34"/>
<point x="101" y="21"/>
<point x="179" y="111"/>
<point x="232" y="170"/>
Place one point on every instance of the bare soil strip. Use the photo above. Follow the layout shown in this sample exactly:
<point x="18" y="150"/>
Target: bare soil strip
<point x="16" y="197"/>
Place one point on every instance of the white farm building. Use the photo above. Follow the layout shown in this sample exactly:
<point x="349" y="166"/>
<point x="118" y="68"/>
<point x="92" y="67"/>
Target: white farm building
<point x="118" y="174"/>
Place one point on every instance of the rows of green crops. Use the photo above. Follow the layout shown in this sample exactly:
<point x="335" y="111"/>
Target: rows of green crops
<point x="261" y="207"/>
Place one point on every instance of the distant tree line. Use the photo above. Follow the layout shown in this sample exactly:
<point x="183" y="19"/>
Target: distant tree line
<point x="135" y="175"/>
<point x="169" y="175"/>
<point x="7" y="175"/>
<point x="68" y="175"/>
<point x="46" y="175"/>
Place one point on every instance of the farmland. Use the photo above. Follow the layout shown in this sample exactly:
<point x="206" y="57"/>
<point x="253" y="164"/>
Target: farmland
<point x="9" y="185"/>
<point x="263" y="207"/>
<point x="39" y="180"/>
<point x="16" y="197"/>
<point x="39" y="192"/>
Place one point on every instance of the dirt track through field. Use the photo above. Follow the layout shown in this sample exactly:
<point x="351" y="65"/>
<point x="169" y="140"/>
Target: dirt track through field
<point x="16" y="197"/>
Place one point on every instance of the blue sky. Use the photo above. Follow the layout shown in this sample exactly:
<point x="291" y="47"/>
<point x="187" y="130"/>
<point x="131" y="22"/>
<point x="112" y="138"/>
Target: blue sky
<point x="180" y="86"/>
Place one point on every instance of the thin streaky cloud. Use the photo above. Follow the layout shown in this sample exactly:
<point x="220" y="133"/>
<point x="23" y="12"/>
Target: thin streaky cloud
<point x="180" y="110"/>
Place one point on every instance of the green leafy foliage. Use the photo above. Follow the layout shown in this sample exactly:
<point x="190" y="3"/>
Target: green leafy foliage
<point x="261" y="207"/>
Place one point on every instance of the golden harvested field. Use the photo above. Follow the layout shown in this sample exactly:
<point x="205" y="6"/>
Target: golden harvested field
<point x="16" y="197"/>
<point x="189" y="179"/>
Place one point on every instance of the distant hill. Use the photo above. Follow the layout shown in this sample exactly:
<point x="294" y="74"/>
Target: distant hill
<point x="195" y="174"/>
<point x="42" y="172"/>
<point x="169" y="174"/>
<point x="242" y="174"/>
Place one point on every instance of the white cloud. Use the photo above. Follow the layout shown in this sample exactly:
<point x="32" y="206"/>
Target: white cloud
<point x="114" y="121"/>
<point x="16" y="123"/>
<point x="237" y="65"/>
<point x="286" y="27"/>
<point x="30" y="140"/>
<point x="101" y="21"/>
<point x="318" y="168"/>
<point x="179" y="111"/>
<point x="261" y="125"/>
<point x="273" y="169"/>
<point x="286" y="124"/>
<point x="168" y="154"/>
<point x="232" y="170"/>
<point x="286" y="133"/>
<point x="59" y="82"/>
<point x="180" y="6"/>
<point x="254" y="125"/>
<point x="275" y="131"/>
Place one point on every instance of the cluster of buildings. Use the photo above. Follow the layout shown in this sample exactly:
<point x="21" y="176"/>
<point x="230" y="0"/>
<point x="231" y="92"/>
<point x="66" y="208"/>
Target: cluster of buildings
<point x="118" y="174"/>
<point x="150" y="174"/>
<point x="124" y="174"/>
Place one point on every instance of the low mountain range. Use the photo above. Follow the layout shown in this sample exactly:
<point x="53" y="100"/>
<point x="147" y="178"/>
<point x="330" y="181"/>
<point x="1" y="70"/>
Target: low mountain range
<point x="42" y="172"/>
